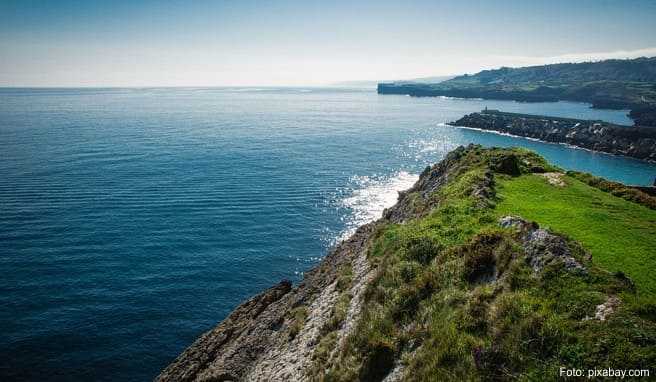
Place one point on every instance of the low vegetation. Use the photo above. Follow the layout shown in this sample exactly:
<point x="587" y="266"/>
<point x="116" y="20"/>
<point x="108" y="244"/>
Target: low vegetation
<point x="617" y="189"/>
<point x="328" y="336"/>
<point x="454" y="297"/>
<point x="298" y="316"/>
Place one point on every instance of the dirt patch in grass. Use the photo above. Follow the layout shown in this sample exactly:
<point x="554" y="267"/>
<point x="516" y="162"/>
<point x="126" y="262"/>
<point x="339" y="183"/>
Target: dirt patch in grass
<point x="554" y="178"/>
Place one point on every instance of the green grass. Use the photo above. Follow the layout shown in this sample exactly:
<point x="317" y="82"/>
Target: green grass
<point x="620" y="235"/>
<point x="298" y="317"/>
<point x="455" y="299"/>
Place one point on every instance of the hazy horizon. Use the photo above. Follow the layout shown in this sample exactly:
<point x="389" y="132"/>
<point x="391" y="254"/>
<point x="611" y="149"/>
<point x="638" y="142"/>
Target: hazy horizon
<point x="293" y="43"/>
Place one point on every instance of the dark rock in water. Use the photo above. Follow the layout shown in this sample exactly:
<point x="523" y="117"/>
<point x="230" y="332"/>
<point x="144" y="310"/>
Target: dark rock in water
<point x="634" y="141"/>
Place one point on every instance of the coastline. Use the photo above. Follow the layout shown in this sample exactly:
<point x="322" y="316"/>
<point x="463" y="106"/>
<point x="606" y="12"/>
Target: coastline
<point x="592" y="135"/>
<point x="568" y="145"/>
<point x="329" y="324"/>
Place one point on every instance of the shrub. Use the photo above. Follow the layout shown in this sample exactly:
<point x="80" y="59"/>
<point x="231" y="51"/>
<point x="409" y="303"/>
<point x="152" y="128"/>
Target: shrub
<point x="480" y="259"/>
<point x="617" y="189"/>
<point x="423" y="249"/>
<point x="378" y="362"/>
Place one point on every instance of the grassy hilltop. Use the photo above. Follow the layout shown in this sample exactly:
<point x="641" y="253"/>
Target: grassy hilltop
<point x="495" y="265"/>
<point x="458" y="296"/>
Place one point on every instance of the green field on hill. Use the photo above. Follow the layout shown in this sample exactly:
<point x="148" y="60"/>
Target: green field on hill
<point x="459" y="295"/>
<point x="620" y="235"/>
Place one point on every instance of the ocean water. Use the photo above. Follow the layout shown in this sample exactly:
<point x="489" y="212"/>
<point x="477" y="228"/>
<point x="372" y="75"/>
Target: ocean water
<point x="133" y="220"/>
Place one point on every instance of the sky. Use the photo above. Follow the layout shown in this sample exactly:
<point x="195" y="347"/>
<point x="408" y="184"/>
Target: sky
<point x="275" y="43"/>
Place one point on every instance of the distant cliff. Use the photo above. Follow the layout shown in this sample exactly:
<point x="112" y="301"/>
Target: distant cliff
<point x="456" y="282"/>
<point x="609" y="84"/>
<point x="636" y="142"/>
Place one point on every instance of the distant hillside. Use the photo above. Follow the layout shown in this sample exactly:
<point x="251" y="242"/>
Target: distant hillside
<point x="422" y="80"/>
<point x="429" y="80"/>
<point x="611" y="84"/>
<point x="636" y="70"/>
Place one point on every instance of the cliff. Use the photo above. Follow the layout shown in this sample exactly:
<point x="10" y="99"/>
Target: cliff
<point x="636" y="142"/>
<point x="457" y="281"/>
<point x="608" y="84"/>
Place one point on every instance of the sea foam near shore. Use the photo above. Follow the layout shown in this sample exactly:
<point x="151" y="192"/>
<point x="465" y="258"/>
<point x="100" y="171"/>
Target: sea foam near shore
<point x="370" y="196"/>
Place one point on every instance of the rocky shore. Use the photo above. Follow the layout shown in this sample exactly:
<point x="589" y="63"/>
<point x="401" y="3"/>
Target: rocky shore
<point x="632" y="141"/>
<point x="441" y="287"/>
<point x="273" y="336"/>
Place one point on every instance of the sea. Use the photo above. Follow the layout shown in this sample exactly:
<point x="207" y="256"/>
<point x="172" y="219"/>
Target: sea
<point x="133" y="220"/>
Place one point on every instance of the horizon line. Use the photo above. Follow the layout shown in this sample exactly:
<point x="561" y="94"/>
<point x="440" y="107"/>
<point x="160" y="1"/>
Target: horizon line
<point x="555" y="60"/>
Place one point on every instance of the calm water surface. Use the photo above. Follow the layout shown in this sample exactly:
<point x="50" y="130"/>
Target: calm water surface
<point x="132" y="220"/>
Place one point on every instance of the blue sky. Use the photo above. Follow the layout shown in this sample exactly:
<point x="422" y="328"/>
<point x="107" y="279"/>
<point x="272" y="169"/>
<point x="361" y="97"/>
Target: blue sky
<point x="195" y="43"/>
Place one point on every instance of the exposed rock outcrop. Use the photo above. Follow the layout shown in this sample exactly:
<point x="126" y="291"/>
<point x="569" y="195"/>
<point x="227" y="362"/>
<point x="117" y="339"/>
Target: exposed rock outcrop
<point x="607" y="308"/>
<point x="554" y="178"/>
<point x="310" y="331"/>
<point x="632" y="141"/>
<point x="541" y="246"/>
<point x="254" y="342"/>
<point x="220" y="353"/>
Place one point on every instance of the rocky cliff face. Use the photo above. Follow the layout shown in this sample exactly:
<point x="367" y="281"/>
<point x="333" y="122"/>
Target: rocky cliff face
<point x="636" y="142"/>
<point x="274" y="335"/>
<point x="432" y="290"/>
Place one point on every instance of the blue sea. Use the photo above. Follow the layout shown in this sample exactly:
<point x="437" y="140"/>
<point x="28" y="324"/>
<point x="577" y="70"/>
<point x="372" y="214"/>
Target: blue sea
<point x="133" y="220"/>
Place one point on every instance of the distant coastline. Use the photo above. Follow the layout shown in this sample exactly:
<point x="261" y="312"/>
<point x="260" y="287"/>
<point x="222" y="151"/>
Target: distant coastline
<point x="609" y="84"/>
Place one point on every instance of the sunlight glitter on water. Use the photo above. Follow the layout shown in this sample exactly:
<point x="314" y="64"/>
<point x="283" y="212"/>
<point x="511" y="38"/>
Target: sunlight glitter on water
<point x="370" y="197"/>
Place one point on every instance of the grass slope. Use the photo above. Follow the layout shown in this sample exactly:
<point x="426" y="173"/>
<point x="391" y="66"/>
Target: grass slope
<point x="455" y="299"/>
<point x="620" y="235"/>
